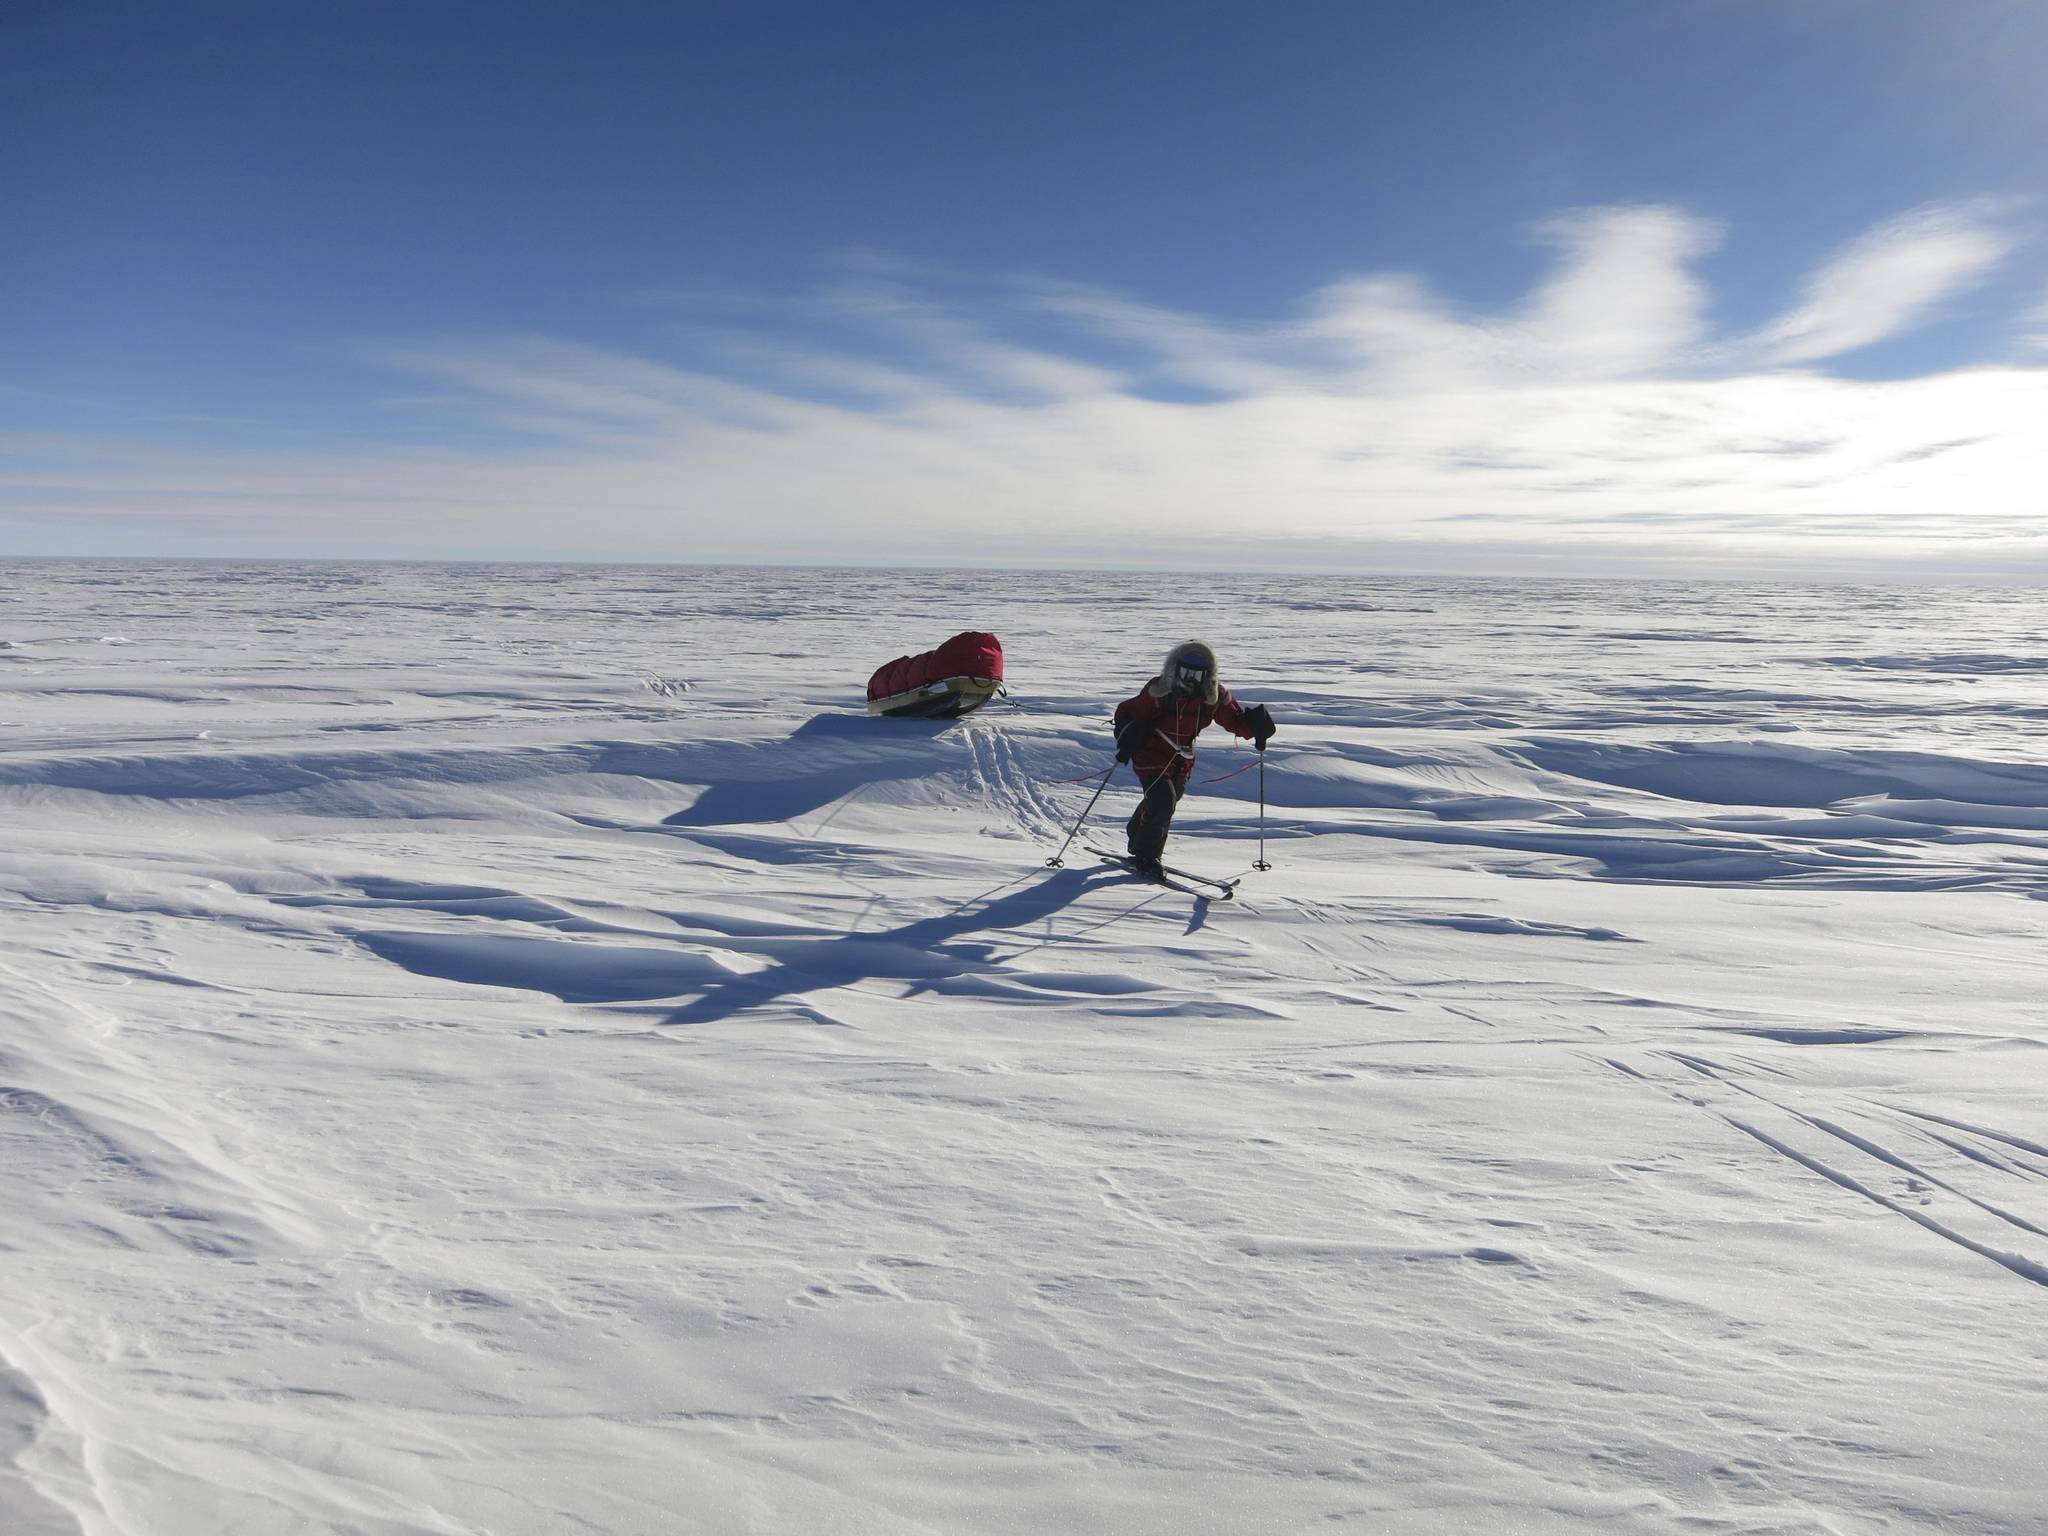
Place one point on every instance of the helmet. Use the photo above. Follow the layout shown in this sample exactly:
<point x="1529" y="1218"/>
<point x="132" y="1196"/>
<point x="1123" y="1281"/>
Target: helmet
<point x="1191" y="669"/>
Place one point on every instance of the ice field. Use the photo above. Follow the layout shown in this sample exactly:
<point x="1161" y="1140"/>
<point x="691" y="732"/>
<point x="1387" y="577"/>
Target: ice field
<point x="516" y="1050"/>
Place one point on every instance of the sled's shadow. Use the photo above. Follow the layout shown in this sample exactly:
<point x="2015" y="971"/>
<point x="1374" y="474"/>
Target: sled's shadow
<point x="929" y="954"/>
<point x="825" y="759"/>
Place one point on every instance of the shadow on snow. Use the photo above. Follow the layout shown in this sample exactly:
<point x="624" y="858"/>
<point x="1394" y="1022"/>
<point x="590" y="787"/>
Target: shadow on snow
<point x="937" y="955"/>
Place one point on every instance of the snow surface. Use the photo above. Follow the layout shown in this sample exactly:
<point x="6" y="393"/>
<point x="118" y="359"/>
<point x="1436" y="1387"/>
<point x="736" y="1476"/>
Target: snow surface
<point x="510" y="1050"/>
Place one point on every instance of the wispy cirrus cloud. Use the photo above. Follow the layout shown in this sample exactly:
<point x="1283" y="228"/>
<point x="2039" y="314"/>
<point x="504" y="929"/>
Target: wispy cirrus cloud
<point x="2034" y="328"/>
<point x="1887" y="281"/>
<point x="897" y="414"/>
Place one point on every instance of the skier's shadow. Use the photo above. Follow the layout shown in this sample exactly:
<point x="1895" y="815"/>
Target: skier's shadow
<point x="927" y="954"/>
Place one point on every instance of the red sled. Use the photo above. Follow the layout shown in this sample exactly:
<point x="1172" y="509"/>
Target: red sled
<point x="961" y="675"/>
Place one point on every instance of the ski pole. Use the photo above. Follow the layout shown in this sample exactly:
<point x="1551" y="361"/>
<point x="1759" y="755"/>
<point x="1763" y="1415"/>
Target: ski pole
<point x="1058" y="860"/>
<point x="1260" y="861"/>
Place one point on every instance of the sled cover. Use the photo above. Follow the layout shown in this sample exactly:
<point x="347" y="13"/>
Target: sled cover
<point x="972" y="653"/>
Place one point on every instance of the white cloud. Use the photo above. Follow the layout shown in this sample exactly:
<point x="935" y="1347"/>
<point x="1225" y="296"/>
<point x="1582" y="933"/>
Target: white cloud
<point x="1887" y="281"/>
<point x="1624" y="302"/>
<point x="2034" y="327"/>
<point x="1187" y="350"/>
<point x="1392" y="327"/>
<point x="960" y="347"/>
<point x="1587" y="424"/>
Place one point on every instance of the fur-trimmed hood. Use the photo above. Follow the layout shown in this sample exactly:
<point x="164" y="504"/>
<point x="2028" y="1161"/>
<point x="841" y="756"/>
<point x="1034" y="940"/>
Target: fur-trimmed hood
<point x="1162" y="686"/>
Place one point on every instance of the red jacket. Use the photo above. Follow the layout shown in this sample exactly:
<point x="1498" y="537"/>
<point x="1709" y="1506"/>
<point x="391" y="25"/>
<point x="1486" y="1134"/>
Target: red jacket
<point x="1169" y="747"/>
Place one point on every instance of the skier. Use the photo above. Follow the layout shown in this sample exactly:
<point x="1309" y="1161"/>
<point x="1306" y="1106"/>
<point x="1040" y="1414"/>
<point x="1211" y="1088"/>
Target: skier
<point x="1155" y="732"/>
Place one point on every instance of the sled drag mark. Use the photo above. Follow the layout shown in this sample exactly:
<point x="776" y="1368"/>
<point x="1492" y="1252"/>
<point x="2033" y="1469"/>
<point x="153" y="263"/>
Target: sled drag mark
<point x="1863" y="1144"/>
<point x="2019" y="1264"/>
<point x="1919" y="1179"/>
<point x="1013" y="785"/>
<point x="1713" y="1071"/>
<point x="997" y="778"/>
<point x="2019" y="1143"/>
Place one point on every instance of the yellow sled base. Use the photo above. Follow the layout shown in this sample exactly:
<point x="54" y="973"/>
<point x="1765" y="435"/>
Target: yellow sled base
<point x="941" y="699"/>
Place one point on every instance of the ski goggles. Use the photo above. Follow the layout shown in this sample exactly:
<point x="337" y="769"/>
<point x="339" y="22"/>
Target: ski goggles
<point x="1191" y="676"/>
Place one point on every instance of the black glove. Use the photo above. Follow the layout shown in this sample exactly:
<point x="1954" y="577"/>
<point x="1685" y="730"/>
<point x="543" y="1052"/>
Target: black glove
<point x="1260" y="719"/>
<point x="1129" y="737"/>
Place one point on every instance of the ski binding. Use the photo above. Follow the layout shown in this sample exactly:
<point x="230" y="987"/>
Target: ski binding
<point x="1205" y="885"/>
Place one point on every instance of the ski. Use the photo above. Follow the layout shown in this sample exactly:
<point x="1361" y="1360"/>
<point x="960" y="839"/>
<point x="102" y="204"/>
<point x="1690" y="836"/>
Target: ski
<point x="1203" y="885"/>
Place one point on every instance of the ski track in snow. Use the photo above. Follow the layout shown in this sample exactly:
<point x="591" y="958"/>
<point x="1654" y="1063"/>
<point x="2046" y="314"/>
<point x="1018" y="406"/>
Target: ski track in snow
<point x="505" y="1050"/>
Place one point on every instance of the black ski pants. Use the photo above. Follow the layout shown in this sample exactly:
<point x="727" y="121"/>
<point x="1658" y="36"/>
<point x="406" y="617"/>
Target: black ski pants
<point x="1149" y="823"/>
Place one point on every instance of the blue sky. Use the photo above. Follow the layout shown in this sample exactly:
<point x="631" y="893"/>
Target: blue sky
<point x="1730" y="284"/>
